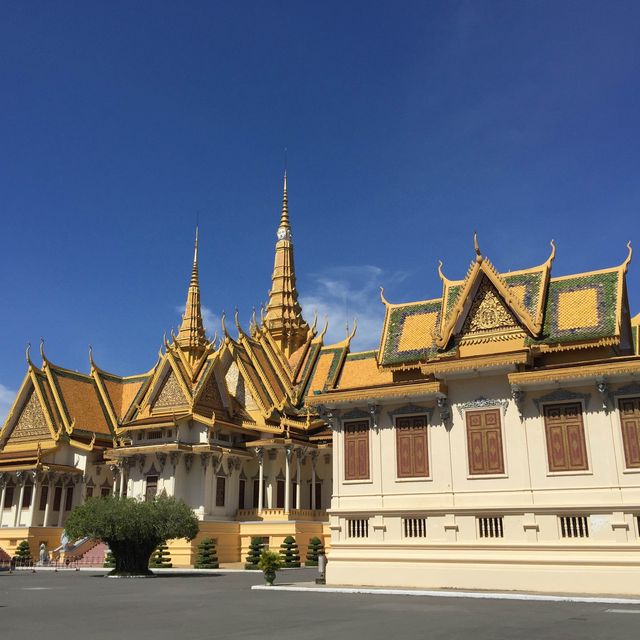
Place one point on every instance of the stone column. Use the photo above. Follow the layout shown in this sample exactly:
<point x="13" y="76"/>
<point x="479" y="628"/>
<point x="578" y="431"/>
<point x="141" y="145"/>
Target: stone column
<point x="298" y="479"/>
<point x="260" y="456"/>
<point x="314" y="460"/>
<point x="34" y="498"/>
<point x="50" y="493"/>
<point x="3" y="483"/>
<point x="62" y="501"/>
<point x="22" y="479"/>
<point x="115" y="470"/>
<point x="208" y="463"/>
<point x="287" y="479"/>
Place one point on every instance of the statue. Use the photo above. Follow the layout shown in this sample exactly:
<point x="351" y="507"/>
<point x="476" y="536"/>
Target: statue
<point x="44" y="556"/>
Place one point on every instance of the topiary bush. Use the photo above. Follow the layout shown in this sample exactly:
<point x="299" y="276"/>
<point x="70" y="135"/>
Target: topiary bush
<point x="207" y="557"/>
<point x="161" y="558"/>
<point x="23" y="554"/>
<point x="253" y="557"/>
<point x="290" y="552"/>
<point x="313" y="551"/>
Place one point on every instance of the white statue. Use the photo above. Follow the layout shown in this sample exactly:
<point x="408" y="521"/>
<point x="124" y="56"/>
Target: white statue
<point x="44" y="556"/>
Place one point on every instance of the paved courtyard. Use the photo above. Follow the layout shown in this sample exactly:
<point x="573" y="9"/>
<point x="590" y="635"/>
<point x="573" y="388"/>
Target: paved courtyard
<point x="70" y="606"/>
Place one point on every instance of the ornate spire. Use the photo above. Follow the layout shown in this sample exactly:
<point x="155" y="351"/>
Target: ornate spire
<point x="284" y="217"/>
<point x="191" y="336"/>
<point x="283" y="315"/>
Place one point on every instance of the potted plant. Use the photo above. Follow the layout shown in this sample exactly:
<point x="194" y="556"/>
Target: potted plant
<point x="270" y="562"/>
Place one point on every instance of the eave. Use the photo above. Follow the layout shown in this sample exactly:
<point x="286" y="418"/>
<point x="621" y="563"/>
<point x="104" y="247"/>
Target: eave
<point x="410" y="391"/>
<point x="618" y="370"/>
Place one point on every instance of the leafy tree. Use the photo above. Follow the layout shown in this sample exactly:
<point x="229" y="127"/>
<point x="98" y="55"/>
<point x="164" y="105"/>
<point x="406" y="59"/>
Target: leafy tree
<point x="207" y="557"/>
<point x="23" y="554"/>
<point x="289" y="552"/>
<point x="161" y="558"/>
<point x="132" y="529"/>
<point x="314" y="550"/>
<point x="253" y="557"/>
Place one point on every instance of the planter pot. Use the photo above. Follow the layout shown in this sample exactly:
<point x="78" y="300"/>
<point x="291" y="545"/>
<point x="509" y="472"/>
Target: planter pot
<point x="270" y="576"/>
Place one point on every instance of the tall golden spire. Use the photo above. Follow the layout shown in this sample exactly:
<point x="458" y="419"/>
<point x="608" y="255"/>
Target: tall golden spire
<point x="191" y="336"/>
<point x="283" y="315"/>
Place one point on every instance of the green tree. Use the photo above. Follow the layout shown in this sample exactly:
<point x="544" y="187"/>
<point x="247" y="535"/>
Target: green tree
<point x="253" y="557"/>
<point x="269" y="562"/>
<point x="23" y="554"/>
<point x="161" y="558"/>
<point x="313" y="551"/>
<point x="289" y="552"/>
<point x="132" y="529"/>
<point x="207" y="557"/>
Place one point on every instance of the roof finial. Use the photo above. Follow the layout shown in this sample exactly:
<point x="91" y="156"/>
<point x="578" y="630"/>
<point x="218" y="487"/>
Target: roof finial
<point x="284" y="217"/>
<point x="476" y="246"/>
<point x="28" y="354"/>
<point x="625" y="264"/>
<point x="384" y="300"/>
<point x="440" y="273"/>
<point x="44" y="358"/>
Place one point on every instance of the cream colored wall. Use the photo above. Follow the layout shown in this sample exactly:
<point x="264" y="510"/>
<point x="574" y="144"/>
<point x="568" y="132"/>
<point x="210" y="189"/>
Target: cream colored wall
<point x="527" y="496"/>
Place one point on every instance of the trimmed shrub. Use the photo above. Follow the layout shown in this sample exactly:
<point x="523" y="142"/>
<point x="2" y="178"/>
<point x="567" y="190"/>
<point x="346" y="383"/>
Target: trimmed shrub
<point x="23" y="554"/>
<point x="290" y="553"/>
<point x="314" y="550"/>
<point x="161" y="558"/>
<point x="207" y="557"/>
<point x="253" y="557"/>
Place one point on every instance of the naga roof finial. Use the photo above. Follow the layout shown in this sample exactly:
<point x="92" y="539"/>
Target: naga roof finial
<point x="476" y="246"/>
<point x="627" y="260"/>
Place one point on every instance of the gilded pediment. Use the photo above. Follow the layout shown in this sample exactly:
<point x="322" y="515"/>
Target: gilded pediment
<point x="488" y="317"/>
<point x="31" y="424"/>
<point x="170" y="394"/>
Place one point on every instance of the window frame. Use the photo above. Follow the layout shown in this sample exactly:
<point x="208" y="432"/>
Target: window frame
<point x="568" y="472"/>
<point x="345" y="425"/>
<point x="493" y="474"/>
<point x="618" y="399"/>
<point x="413" y="478"/>
<point x="221" y="503"/>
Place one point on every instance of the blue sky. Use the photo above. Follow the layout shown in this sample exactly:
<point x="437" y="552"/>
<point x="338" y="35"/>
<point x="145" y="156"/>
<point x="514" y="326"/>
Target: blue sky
<point x="408" y="125"/>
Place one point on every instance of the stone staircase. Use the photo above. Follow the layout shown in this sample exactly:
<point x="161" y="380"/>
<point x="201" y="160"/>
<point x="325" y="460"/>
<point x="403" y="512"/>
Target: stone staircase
<point x="94" y="556"/>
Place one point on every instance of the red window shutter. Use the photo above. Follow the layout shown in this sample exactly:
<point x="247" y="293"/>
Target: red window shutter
<point x="566" y="447"/>
<point x="630" y="420"/>
<point x="411" y="447"/>
<point x="356" y="449"/>
<point x="484" y="442"/>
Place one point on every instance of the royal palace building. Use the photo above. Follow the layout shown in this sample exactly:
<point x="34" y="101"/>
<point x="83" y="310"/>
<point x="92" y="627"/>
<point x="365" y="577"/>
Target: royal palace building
<point x="221" y="424"/>
<point x="492" y="441"/>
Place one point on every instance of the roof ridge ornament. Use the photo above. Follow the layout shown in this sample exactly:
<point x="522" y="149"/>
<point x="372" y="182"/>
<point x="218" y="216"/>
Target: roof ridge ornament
<point x="28" y="355"/>
<point x="44" y="358"/>
<point x="476" y="247"/>
<point x="625" y="264"/>
<point x="382" y="298"/>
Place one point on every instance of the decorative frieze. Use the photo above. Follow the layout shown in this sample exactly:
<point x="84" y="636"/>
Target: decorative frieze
<point x="483" y="403"/>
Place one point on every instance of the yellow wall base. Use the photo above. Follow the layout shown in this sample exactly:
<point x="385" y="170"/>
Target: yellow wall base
<point x="11" y="537"/>
<point x="585" y="571"/>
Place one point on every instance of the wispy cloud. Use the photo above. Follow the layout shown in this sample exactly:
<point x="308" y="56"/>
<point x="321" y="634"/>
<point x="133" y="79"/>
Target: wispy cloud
<point x="342" y="293"/>
<point x="7" y="397"/>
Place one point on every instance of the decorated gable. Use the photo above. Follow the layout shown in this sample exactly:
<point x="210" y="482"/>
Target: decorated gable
<point x="488" y="314"/>
<point x="31" y="424"/>
<point x="170" y="394"/>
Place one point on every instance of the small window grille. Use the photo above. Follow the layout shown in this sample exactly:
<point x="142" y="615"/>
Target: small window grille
<point x="358" y="528"/>
<point x="415" y="527"/>
<point x="574" y="527"/>
<point x="154" y="435"/>
<point x="490" y="527"/>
